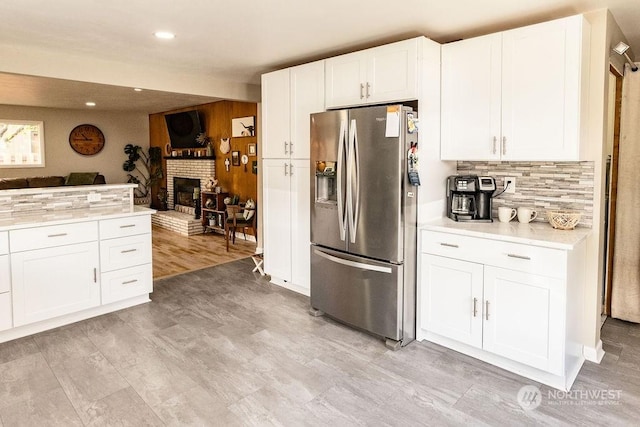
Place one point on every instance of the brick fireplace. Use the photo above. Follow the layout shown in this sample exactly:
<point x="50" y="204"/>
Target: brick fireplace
<point x="181" y="170"/>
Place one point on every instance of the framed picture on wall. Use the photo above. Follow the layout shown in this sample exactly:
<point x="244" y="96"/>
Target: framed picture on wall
<point x="243" y="126"/>
<point x="251" y="150"/>
<point x="235" y="158"/>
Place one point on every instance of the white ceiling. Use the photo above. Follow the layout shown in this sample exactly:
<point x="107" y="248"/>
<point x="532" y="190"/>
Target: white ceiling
<point x="239" y="40"/>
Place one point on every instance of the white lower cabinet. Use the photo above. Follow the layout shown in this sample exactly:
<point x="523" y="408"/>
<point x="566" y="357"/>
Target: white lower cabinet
<point x="6" y="317"/>
<point x="54" y="281"/>
<point x="524" y="318"/>
<point x="125" y="258"/>
<point x="509" y="304"/>
<point x="56" y="274"/>
<point x="126" y="283"/>
<point x="286" y="222"/>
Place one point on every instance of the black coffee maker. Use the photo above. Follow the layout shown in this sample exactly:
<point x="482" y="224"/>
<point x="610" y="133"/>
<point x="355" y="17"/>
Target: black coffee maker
<point x="469" y="198"/>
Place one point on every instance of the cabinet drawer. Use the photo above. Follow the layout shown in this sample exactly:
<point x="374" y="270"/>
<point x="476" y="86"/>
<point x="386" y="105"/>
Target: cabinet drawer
<point x="52" y="236"/>
<point x="4" y="242"/>
<point x="5" y="277"/>
<point x="453" y="246"/>
<point x="125" y="252"/>
<point x="121" y="227"/>
<point x="126" y="283"/>
<point x="6" y="317"/>
<point x="529" y="259"/>
<point x="513" y="256"/>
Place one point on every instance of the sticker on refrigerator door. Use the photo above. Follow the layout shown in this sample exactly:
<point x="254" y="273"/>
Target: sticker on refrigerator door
<point x="393" y="122"/>
<point x="412" y="123"/>
<point x="412" y="167"/>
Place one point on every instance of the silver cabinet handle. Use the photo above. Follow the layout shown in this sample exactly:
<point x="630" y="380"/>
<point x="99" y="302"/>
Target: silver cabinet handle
<point x="95" y="275"/>
<point x="368" y="87"/>
<point x="486" y="310"/>
<point x="291" y="169"/>
<point x="127" y="226"/>
<point x="57" y="235"/>
<point x="285" y="169"/>
<point x="518" y="256"/>
<point x="475" y="307"/>
<point x="286" y="145"/>
<point x="504" y="145"/>
<point x="361" y="91"/>
<point x="291" y="147"/>
<point x="495" y="144"/>
<point x="128" y="282"/>
<point x="127" y="251"/>
<point x="449" y="245"/>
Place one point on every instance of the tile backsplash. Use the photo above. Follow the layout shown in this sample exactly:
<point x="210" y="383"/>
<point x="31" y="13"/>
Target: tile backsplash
<point x="541" y="185"/>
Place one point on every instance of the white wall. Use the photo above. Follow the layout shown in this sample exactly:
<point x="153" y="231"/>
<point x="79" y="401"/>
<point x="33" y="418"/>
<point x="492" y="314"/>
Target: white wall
<point x="605" y="33"/>
<point x="119" y="129"/>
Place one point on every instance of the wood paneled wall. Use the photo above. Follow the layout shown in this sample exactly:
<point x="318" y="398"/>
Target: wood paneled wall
<point x="217" y="121"/>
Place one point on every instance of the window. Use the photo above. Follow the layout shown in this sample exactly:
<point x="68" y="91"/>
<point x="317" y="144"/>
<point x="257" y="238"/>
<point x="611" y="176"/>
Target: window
<point x="21" y="144"/>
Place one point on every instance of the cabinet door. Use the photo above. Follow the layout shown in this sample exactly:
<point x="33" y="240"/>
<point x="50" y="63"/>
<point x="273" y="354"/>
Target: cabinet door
<point x="300" y="223"/>
<point x="54" y="281"/>
<point x="6" y="321"/>
<point x="451" y="298"/>
<point x="5" y="277"/>
<point x="275" y="114"/>
<point x="541" y="84"/>
<point x="471" y="101"/>
<point x="345" y="80"/>
<point x="524" y="318"/>
<point x="392" y="72"/>
<point x="276" y="183"/>
<point x="307" y="97"/>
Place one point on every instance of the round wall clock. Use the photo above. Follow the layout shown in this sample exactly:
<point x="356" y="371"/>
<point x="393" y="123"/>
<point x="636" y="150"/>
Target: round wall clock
<point x="86" y="140"/>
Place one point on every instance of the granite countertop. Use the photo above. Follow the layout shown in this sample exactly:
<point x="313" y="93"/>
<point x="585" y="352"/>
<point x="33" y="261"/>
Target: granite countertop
<point x="70" y="216"/>
<point x="534" y="233"/>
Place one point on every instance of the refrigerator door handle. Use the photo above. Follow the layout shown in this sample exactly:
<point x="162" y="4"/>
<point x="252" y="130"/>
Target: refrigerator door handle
<point x="354" y="264"/>
<point x="353" y="174"/>
<point x="341" y="207"/>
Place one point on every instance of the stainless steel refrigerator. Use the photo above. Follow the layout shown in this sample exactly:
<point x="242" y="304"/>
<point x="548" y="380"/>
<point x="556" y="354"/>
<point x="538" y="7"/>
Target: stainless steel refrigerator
<point x="363" y="220"/>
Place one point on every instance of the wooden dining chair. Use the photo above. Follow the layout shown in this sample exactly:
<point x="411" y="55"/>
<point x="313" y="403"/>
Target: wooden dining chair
<point x="239" y="216"/>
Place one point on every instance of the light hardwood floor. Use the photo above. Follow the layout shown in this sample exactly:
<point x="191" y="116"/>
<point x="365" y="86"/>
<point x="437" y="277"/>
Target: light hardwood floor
<point x="175" y="254"/>
<point x="221" y="346"/>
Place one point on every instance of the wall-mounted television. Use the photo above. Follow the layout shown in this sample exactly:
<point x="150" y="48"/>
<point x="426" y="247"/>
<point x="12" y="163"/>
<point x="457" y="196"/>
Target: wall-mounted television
<point x="183" y="128"/>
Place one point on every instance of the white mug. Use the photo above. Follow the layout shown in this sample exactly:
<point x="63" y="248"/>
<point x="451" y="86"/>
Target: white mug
<point x="506" y="214"/>
<point x="526" y="215"/>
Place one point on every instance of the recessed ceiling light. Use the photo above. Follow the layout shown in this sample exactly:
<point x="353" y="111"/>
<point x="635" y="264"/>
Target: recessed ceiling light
<point x="90" y="104"/>
<point x="164" y="35"/>
<point x="137" y="89"/>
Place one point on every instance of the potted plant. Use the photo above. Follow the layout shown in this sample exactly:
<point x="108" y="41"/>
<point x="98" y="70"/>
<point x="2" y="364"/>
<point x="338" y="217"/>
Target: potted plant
<point x="145" y="169"/>
<point x="212" y="220"/>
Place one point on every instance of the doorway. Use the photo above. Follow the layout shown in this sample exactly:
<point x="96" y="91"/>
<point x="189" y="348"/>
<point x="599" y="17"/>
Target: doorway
<point x="611" y="184"/>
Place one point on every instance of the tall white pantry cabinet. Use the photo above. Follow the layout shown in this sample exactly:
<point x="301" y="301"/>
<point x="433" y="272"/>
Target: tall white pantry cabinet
<point x="289" y="96"/>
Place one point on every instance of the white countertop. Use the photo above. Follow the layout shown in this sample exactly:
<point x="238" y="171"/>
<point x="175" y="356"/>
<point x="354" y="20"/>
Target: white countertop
<point x="534" y="233"/>
<point x="70" y="216"/>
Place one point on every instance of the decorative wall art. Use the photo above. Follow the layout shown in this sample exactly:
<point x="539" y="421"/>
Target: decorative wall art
<point x="243" y="126"/>
<point x="235" y="158"/>
<point x="251" y="150"/>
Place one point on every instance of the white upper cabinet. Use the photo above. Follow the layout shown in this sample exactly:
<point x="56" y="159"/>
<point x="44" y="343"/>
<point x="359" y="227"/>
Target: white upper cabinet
<point x="471" y="90"/>
<point x="382" y="74"/>
<point x="289" y="97"/>
<point x="517" y="95"/>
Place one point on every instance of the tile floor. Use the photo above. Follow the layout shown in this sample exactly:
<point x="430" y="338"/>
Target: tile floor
<point x="221" y="346"/>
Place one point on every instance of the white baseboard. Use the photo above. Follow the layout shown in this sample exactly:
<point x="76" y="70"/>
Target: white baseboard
<point x="594" y="354"/>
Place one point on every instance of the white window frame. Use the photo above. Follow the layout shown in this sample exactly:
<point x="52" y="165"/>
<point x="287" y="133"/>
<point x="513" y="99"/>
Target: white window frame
<point x="8" y="160"/>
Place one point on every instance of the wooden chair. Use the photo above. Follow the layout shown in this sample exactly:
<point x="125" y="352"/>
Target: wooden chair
<point x="236" y="215"/>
